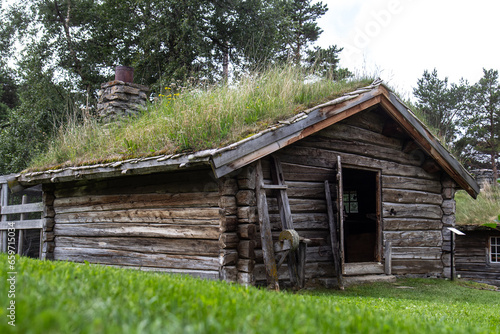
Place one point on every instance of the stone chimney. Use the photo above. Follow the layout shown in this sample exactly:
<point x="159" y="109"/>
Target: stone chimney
<point x="121" y="97"/>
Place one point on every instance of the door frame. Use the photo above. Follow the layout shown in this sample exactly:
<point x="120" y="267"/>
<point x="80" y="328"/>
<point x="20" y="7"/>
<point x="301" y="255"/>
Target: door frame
<point x="378" y="208"/>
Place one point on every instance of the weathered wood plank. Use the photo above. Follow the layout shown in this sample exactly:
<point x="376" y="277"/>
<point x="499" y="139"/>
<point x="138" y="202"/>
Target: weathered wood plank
<point x="117" y="202"/>
<point x="411" y="183"/>
<point x="411" y="197"/>
<point x="421" y="253"/>
<point x="414" y="238"/>
<point x="21" y="208"/>
<point x="396" y="210"/>
<point x="137" y="230"/>
<point x="21" y="225"/>
<point x="118" y="257"/>
<point x="144" y="245"/>
<point x="337" y="258"/>
<point x="405" y="224"/>
<point x="355" y="133"/>
<point x="368" y="149"/>
<point x="188" y="216"/>
<point x="176" y="182"/>
<point x="427" y="267"/>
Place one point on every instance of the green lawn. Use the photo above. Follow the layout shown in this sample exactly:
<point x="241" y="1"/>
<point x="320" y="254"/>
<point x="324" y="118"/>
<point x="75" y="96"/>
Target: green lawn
<point x="59" y="297"/>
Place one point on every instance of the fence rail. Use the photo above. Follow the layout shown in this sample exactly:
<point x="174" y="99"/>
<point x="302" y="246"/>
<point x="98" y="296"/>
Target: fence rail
<point x="20" y="228"/>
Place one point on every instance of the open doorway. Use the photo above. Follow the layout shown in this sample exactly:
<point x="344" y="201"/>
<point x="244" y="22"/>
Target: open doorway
<point x="361" y="223"/>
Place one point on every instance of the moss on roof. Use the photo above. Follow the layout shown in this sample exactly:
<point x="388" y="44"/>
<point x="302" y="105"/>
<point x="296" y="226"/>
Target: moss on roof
<point x="193" y="119"/>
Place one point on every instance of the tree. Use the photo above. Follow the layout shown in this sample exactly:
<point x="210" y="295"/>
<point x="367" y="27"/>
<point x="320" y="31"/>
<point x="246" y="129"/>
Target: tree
<point x="325" y="62"/>
<point x="302" y="28"/>
<point x="482" y="120"/>
<point x="440" y="103"/>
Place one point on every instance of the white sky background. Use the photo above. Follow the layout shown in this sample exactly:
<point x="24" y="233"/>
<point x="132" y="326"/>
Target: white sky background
<point x="398" y="39"/>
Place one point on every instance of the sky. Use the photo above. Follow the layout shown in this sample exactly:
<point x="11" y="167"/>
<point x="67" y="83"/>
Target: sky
<point x="397" y="40"/>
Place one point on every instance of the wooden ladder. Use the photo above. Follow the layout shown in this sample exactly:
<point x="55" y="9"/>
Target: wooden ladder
<point x="296" y="259"/>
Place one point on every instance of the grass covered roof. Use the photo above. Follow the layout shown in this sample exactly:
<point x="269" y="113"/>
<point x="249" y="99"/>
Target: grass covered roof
<point x="193" y="119"/>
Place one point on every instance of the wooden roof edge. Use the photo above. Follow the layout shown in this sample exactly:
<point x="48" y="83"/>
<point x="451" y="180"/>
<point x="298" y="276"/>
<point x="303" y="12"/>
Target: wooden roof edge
<point x="475" y="227"/>
<point x="112" y="169"/>
<point x="429" y="142"/>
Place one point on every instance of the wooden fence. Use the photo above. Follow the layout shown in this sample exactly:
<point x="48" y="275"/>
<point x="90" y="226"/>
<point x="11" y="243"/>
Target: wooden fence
<point x="21" y="223"/>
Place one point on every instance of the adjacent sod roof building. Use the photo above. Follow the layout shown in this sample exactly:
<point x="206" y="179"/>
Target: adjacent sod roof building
<point x="219" y="213"/>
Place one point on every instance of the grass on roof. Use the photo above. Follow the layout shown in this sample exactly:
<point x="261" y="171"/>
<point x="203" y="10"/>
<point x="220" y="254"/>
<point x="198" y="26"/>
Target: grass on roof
<point x="485" y="209"/>
<point x="193" y="119"/>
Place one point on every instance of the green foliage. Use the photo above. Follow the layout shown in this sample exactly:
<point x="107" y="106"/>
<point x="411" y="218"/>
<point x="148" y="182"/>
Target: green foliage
<point x="441" y="104"/>
<point x="481" y="141"/>
<point x="324" y="62"/>
<point x="62" y="297"/>
<point x="482" y="210"/>
<point x="196" y="119"/>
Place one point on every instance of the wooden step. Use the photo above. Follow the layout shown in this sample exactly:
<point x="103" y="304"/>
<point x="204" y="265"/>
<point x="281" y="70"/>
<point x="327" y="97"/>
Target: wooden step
<point x="354" y="280"/>
<point x="332" y="283"/>
<point x="363" y="268"/>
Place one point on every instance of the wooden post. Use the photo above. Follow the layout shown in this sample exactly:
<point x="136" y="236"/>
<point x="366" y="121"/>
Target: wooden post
<point x="301" y="268"/>
<point x="452" y="264"/>
<point x="3" y="202"/>
<point x="265" y="231"/>
<point x="333" y="237"/>
<point x="285" y="215"/>
<point x="20" y="240"/>
<point x="388" y="258"/>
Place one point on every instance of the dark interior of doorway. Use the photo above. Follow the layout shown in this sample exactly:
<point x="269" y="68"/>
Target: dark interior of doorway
<point x="360" y="212"/>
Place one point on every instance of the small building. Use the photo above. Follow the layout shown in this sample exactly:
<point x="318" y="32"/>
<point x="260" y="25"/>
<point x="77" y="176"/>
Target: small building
<point x="477" y="254"/>
<point x="355" y="187"/>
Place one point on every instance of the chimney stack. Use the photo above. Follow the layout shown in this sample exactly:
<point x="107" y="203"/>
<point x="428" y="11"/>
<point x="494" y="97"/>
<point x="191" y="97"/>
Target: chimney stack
<point x="121" y="97"/>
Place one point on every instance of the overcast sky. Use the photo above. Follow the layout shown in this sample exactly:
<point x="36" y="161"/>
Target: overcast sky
<point x="399" y="39"/>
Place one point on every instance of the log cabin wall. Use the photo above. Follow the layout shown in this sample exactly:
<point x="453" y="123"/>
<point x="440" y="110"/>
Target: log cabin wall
<point x="411" y="199"/>
<point x="472" y="257"/>
<point x="174" y="222"/>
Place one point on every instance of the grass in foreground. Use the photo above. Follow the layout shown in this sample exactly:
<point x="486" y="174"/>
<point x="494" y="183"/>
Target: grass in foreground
<point x="195" y="119"/>
<point x="59" y="297"/>
<point x="485" y="209"/>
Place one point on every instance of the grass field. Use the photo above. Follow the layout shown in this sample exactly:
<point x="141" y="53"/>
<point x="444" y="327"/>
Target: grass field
<point x="58" y="297"/>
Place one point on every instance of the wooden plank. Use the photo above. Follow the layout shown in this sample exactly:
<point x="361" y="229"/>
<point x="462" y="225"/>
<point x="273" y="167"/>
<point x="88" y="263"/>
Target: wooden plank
<point x="333" y="237"/>
<point x="411" y="197"/>
<point x="265" y="231"/>
<point x="4" y="200"/>
<point x="355" y="134"/>
<point x="411" y="183"/>
<point x="340" y="209"/>
<point x="414" y="238"/>
<point x="118" y="257"/>
<point x="22" y="208"/>
<point x="205" y="216"/>
<point x="396" y="210"/>
<point x="388" y="258"/>
<point x="138" y="230"/>
<point x="144" y="245"/>
<point x="405" y="224"/>
<point x="117" y="202"/>
<point x="21" y="225"/>
<point x="175" y="182"/>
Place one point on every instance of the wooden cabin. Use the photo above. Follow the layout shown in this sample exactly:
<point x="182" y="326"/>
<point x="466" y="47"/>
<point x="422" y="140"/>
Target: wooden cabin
<point x="477" y="254"/>
<point x="353" y="188"/>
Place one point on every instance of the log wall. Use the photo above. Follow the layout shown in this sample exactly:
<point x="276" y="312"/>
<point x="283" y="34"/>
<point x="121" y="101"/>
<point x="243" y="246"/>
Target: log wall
<point x="412" y="197"/>
<point x="471" y="257"/>
<point x="181" y="222"/>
